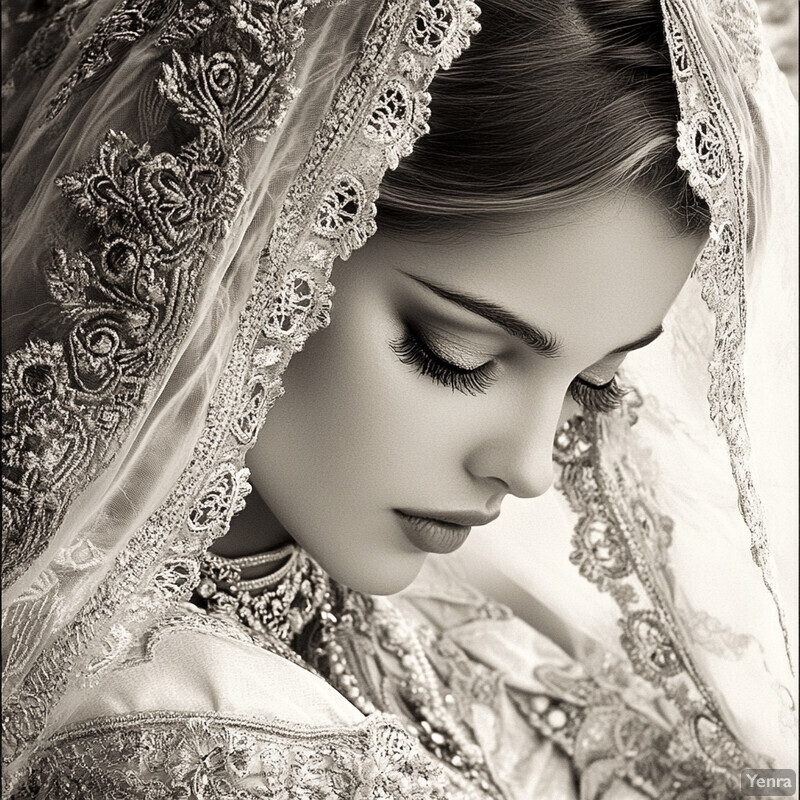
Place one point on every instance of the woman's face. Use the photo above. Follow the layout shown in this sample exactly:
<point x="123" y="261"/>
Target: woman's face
<point x="439" y="385"/>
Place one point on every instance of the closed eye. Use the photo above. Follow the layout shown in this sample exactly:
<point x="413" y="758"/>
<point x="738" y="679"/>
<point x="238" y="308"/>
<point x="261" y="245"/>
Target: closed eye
<point x="594" y="397"/>
<point x="412" y="349"/>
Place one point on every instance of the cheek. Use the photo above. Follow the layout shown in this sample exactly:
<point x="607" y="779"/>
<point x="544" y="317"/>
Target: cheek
<point x="334" y="435"/>
<point x="339" y="449"/>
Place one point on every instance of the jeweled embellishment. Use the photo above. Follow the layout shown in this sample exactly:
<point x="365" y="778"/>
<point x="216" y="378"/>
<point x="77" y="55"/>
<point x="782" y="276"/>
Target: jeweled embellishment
<point x="650" y="647"/>
<point x="716" y="741"/>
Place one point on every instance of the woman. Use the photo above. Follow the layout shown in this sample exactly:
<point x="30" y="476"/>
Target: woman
<point x="191" y="173"/>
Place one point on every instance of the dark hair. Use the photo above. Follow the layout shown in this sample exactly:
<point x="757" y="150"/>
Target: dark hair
<point x="555" y="103"/>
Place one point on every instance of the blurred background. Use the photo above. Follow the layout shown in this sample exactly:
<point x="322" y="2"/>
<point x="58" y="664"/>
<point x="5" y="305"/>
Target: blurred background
<point x="780" y="26"/>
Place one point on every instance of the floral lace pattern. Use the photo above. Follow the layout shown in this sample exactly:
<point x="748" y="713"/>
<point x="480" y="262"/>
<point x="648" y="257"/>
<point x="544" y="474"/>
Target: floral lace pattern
<point x="607" y="740"/>
<point x="374" y="655"/>
<point x="364" y="647"/>
<point x="148" y="211"/>
<point x="712" y="154"/>
<point x="328" y="211"/>
<point x="619" y="541"/>
<point x="58" y="23"/>
<point x="210" y="757"/>
<point x="127" y="301"/>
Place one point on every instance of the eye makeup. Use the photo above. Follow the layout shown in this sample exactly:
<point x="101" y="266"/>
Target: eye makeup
<point x="455" y="370"/>
<point x="605" y="397"/>
<point x="446" y="364"/>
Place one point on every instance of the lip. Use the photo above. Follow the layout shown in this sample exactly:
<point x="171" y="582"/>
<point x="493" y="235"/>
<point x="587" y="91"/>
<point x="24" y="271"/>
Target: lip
<point x="435" y="532"/>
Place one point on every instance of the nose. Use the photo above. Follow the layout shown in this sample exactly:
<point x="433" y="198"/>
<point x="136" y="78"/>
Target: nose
<point x="519" y="450"/>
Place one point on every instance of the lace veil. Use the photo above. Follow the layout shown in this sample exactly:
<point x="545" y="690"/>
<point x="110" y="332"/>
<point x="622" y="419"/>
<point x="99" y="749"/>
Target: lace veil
<point x="180" y="178"/>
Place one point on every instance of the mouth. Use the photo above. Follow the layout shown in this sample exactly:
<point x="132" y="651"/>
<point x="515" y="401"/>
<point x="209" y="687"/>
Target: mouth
<point x="432" y="532"/>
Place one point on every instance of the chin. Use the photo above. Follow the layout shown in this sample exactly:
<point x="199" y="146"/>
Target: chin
<point x="372" y="573"/>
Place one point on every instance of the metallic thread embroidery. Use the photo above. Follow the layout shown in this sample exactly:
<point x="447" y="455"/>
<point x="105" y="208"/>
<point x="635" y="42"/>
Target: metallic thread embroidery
<point x="128" y="298"/>
<point x="213" y="757"/>
<point x="712" y="156"/>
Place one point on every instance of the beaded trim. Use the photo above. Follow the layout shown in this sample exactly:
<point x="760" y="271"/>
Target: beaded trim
<point x="281" y="603"/>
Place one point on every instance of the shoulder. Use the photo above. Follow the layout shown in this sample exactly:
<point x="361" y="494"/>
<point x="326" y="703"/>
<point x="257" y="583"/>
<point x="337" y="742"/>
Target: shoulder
<point x="193" y="663"/>
<point x="203" y="709"/>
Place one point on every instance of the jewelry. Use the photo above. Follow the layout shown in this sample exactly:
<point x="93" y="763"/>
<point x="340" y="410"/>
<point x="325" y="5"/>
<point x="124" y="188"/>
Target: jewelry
<point x="280" y="603"/>
<point x="324" y="626"/>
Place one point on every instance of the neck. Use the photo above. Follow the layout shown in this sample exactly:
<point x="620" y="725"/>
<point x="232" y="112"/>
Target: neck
<point x="254" y="530"/>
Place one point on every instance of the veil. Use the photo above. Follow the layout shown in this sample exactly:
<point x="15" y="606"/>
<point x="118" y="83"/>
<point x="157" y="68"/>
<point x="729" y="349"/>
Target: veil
<point x="191" y="171"/>
<point x="680" y="528"/>
<point x="184" y="175"/>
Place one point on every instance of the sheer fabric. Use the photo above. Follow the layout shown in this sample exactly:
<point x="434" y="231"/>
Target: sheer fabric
<point x="186" y="271"/>
<point x="184" y="176"/>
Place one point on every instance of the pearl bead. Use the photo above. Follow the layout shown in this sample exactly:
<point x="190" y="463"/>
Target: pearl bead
<point x="557" y="719"/>
<point x="540" y="703"/>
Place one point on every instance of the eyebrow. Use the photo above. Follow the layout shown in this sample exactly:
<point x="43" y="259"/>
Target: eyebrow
<point x="541" y="341"/>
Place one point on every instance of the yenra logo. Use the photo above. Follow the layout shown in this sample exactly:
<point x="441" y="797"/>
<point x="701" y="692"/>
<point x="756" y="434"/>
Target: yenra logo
<point x="768" y="782"/>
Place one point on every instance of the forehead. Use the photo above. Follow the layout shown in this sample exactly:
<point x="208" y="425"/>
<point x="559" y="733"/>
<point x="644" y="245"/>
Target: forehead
<point x="597" y="277"/>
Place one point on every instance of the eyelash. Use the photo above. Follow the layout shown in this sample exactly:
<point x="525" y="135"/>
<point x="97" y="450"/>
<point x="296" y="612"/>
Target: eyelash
<point x="413" y="351"/>
<point x="597" y="398"/>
